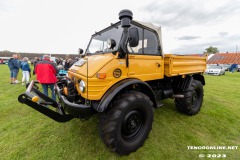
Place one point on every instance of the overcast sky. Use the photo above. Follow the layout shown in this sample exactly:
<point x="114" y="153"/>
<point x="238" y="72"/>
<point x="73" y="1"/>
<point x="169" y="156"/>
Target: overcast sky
<point x="63" y="26"/>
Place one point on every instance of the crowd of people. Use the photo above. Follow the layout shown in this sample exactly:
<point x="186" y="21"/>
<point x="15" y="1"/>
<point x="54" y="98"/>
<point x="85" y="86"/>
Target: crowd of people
<point x="15" y="64"/>
<point x="44" y="68"/>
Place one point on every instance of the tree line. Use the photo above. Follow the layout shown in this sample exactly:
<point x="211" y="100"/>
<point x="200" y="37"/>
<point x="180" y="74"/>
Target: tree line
<point x="32" y="55"/>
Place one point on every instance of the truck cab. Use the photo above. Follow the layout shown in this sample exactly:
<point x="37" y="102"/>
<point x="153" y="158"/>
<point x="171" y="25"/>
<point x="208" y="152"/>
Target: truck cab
<point x="105" y="64"/>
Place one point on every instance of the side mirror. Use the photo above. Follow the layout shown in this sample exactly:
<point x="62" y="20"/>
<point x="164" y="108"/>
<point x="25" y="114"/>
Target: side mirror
<point x="80" y="51"/>
<point x="133" y="37"/>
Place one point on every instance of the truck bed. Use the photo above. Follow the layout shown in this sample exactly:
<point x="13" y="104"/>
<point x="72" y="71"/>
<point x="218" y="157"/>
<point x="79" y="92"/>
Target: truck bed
<point x="181" y="65"/>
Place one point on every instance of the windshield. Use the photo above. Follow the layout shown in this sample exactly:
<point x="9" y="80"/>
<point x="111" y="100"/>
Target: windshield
<point x="215" y="67"/>
<point x="98" y="43"/>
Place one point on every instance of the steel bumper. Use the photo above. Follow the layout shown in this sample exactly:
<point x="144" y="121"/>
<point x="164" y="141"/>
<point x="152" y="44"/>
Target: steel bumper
<point x="65" y="110"/>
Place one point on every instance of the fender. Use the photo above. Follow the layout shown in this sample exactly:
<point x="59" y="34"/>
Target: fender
<point x="120" y="86"/>
<point x="186" y="82"/>
<point x="199" y="77"/>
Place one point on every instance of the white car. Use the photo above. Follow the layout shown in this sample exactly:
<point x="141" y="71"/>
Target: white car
<point x="215" y="70"/>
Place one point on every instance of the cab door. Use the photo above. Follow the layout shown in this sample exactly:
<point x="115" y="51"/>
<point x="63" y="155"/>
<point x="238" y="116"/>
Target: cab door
<point x="145" y="60"/>
<point x="145" y="67"/>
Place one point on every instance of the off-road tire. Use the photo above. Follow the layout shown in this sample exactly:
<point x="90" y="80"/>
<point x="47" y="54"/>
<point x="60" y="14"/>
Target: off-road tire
<point x="126" y="125"/>
<point x="193" y="98"/>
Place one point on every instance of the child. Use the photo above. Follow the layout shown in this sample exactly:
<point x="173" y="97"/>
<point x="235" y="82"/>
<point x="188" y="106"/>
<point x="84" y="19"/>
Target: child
<point x="26" y="70"/>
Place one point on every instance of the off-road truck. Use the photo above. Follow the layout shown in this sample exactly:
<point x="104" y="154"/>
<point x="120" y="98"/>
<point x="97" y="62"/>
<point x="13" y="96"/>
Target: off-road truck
<point x="123" y="77"/>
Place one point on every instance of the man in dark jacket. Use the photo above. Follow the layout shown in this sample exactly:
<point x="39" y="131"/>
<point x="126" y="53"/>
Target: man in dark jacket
<point x="46" y="73"/>
<point x="14" y="66"/>
<point x="36" y="60"/>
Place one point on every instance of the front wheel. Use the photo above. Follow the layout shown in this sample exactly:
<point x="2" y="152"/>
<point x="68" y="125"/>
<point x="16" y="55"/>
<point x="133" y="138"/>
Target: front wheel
<point x="126" y="125"/>
<point x="193" y="98"/>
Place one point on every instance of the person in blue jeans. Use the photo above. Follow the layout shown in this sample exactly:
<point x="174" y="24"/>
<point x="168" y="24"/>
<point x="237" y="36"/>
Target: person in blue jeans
<point x="45" y="90"/>
<point x="46" y="72"/>
<point x="14" y="66"/>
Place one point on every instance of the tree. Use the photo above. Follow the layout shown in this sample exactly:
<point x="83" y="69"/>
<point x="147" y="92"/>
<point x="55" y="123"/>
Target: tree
<point x="212" y="50"/>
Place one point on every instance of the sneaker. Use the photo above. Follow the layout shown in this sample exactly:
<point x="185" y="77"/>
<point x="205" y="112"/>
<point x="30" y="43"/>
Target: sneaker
<point x="16" y="81"/>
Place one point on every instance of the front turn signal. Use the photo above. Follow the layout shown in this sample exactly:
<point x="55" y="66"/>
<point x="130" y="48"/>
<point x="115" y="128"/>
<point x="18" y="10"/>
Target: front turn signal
<point x="101" y="75"/>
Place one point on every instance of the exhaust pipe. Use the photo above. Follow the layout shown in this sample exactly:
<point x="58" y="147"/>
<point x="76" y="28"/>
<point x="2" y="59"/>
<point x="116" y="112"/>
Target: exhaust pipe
<point x="125" y="17"/>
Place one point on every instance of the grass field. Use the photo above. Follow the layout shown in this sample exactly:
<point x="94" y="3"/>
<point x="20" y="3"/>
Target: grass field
<point x="27" y="134"/>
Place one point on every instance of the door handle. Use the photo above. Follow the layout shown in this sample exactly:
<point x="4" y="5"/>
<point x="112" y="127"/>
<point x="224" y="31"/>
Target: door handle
<point x="158" y="64"/>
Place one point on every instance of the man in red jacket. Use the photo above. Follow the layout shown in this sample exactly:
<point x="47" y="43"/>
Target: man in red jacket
<point x="46" y="73"/>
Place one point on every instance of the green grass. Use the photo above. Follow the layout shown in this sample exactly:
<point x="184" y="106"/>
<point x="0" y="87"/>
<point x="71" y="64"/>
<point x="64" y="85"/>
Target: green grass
<point x="27" y="134"/>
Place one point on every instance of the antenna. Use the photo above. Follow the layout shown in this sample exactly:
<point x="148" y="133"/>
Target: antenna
<point x="87" y="78"/>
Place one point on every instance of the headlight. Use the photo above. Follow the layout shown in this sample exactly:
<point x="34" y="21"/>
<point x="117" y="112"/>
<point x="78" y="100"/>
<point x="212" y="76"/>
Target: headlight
<point x="82" y="86"/>
<point x="111" y="43"/>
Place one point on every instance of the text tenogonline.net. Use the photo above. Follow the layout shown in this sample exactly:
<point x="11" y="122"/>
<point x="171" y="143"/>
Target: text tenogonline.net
<point x="212" y="147"/>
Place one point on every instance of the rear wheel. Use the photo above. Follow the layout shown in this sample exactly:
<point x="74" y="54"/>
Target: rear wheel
<point x="126" y="126"/>
<point x="193" y="98"/>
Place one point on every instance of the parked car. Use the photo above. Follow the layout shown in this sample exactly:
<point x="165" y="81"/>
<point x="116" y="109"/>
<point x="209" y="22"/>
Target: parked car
<point x="215" y="70"/>
<point x="3" y="61"/>
<point x="226" y="67"/>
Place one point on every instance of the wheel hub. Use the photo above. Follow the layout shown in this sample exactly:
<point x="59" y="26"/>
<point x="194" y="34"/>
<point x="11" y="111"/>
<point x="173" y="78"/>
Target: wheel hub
<point x="132" y="123"/>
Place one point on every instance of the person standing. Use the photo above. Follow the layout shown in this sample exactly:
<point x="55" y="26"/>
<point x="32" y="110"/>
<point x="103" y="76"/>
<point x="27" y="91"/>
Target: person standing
<point x="73" y="61"/>
<point x="13" y="65"/>
<point x="36" y="60"/>
<point x="46" y="73"/>
<point x="19" y="66"/>
<point x="26" y="70"/>
<point x="67" y="64"/>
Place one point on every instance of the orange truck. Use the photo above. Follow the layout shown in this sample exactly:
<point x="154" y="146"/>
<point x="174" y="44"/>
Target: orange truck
<point x="123" y="76"/>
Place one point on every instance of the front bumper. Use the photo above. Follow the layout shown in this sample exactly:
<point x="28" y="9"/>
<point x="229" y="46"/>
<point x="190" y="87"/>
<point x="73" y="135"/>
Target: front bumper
<point x="213" y="73"/>
<point x="65" y="109"/>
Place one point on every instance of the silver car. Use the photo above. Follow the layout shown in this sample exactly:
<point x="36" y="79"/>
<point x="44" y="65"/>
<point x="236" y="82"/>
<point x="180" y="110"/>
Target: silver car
<point x="215" y="70"/>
